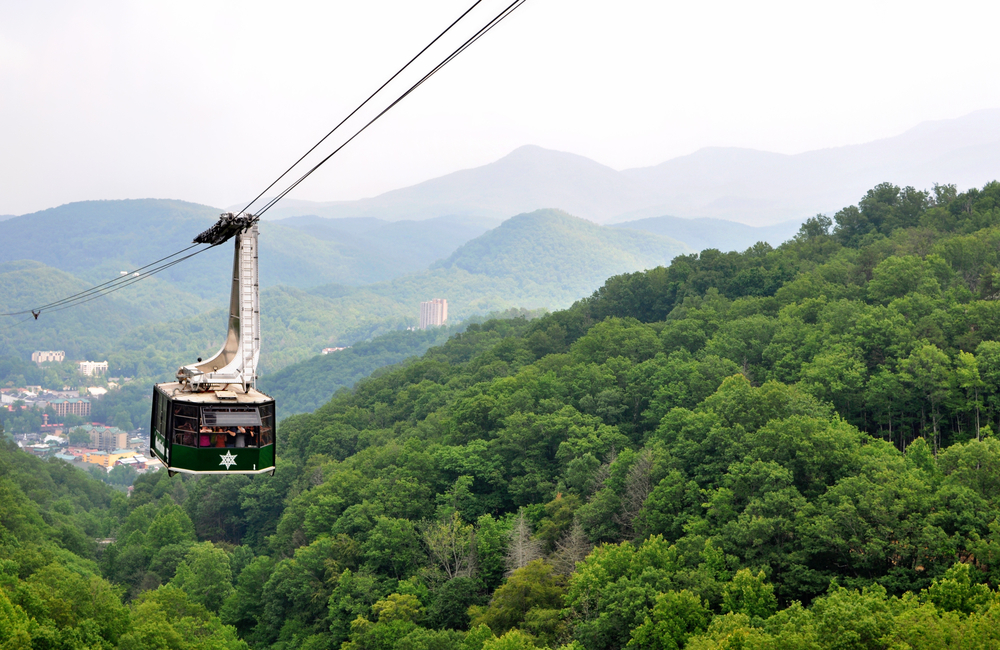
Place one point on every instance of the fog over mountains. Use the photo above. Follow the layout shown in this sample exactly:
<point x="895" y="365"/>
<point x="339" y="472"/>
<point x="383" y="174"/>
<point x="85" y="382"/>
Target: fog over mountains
<point x="751" y="187"/>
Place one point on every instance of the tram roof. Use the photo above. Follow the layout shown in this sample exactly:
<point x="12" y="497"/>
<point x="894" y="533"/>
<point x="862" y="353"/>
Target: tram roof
<point x="232" y="395"/>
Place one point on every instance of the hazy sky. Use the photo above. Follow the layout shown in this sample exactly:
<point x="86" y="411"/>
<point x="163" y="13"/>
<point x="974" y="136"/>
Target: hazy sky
<point x="208" y="101"/>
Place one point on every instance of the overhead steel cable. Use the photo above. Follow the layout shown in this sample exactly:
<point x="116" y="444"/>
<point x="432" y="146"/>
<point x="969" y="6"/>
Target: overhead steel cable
<point x="482" y="31"/>
<point x="132" y="280"/>
<point x="100" y="287"/>
<point x="362" y="104"/>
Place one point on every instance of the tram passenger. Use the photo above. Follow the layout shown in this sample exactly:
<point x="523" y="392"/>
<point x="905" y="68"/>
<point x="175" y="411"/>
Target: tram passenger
<point x="205" y="437"/>
<point x="241" y="437"/>
<point x="185" y="434"/>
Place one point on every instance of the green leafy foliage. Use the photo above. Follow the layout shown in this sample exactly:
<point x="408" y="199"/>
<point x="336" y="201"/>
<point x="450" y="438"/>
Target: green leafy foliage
<point x="52" y="594"/>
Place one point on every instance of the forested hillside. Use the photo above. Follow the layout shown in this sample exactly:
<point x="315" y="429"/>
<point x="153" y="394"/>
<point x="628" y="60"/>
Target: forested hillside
<point x="553" y="247"/>
<point x="407" y="245"/>
<point x="790" y="447"/>
<point x="52" y="594"/>
<point x="307" y="385"/>
<point x="83" y="331"/>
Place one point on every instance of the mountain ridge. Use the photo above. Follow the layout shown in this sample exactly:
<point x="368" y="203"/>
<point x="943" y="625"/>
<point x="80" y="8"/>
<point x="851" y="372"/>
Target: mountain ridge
<point x="731" y="183"/>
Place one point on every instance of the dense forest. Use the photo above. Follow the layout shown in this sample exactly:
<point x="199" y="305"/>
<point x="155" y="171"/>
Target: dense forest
<point x="791" y="447"/>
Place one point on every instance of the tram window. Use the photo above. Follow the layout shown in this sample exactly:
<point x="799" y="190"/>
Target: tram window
<point x="161" y="418"/>
<point x="230" y="416"/>
<point x="234" y="436"/>
<point x="266" y="425"/>
<point x="157" y="412"/>
<point x="185" y="425"/>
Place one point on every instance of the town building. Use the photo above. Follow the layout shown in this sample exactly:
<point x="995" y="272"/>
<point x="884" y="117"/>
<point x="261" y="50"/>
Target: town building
<point x="433" y="313"/>
<point x="70" y="406"/>
<point x="330" y="350"/>
<point x="80" y="453"/>
<point x="66" y="392"/>
<point x="138" y="462"/>
<point x="93" y="368"/>
<point x="106" y="438"/>
<point x="53" y="429"/>
<point x="42" y="450"/>
<point x="46" y="356"/>
<point x="107" y="459"/>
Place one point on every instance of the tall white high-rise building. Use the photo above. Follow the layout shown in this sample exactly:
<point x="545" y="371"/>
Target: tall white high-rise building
<point x="93" y="368"/>
<point x="45" y="356"/>
<point x="433" y="313"/>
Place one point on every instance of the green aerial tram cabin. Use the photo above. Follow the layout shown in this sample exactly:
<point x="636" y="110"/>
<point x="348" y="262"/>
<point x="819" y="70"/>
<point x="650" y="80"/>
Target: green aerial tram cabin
<point x="215" y="432"/>
<point x="213" y="420"/>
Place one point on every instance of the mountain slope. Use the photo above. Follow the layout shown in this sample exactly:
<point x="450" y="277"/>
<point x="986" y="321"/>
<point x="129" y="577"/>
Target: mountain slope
<point x="94" y="240"/>
<point x="382" y="250"/>
<point x="553" y="246"/>
<point x="761" y="187"/>
<point x="704" y="233"/>
<point x="85" y="330"/>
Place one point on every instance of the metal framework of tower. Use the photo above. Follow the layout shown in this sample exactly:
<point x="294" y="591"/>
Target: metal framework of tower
<point x="236" y="362"/>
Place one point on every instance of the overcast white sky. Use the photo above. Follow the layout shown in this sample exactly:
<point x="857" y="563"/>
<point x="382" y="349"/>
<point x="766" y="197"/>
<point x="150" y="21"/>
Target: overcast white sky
<point x="208" y="101"/>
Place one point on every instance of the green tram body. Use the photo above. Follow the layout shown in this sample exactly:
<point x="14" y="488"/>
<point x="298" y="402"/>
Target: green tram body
<point x="198" y="433"/>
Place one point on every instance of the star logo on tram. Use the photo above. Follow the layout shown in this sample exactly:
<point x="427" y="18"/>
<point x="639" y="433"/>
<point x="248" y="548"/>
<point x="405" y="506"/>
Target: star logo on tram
<point x="228" y="459"/>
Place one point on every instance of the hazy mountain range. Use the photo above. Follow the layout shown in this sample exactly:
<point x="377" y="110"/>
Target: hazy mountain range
<point x="743" y="185"/>
<point x="94" y="240"/>
<point x="472" y="237"/>
<point x="324" y="282"/>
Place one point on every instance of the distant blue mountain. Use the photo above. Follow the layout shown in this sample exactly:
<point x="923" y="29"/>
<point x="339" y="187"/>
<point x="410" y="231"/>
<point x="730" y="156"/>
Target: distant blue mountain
<point x="743" y="185"/>
<point x="409" y="245"/>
